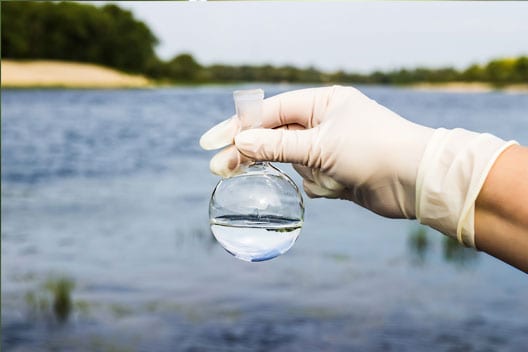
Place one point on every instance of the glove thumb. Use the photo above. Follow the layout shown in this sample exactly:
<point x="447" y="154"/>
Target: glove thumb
<point x="280" y="145"/>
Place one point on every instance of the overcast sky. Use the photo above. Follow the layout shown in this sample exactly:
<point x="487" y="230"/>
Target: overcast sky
<point x="357" y="36"/>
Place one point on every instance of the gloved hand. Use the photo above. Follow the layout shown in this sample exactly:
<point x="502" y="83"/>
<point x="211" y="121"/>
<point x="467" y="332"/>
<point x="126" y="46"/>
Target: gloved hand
<point x="347" y="146"/>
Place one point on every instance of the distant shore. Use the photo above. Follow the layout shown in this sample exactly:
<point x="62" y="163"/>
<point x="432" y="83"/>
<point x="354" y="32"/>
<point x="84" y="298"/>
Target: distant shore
<point x="469" y="87"/>
<point x="64" y="74"/>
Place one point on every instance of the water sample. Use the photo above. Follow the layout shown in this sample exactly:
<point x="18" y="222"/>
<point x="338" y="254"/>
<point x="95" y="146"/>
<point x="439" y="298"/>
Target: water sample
<point x="255" y="239"/>
<point x="256" y="215"/>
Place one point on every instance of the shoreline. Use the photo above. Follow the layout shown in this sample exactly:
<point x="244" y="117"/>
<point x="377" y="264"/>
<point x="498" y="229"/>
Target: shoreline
<point x="467" y="87"/>
<point x="51" y="74"/>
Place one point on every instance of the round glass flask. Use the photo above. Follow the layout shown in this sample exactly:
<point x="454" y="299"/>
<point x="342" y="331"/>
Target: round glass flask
<point x="256" y="215"/>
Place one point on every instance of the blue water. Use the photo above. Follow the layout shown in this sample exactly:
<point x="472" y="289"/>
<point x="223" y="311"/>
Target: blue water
<point x="110" y="190"/>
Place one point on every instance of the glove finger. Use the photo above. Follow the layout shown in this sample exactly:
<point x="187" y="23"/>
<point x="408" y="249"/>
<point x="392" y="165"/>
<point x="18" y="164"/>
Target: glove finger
<point x="291" y="127"/>
<point x="313" y="190"/>
<point x="305" y="171"/>
<point x="327" y="182"/>
<point x="290" y="146"/>
<point x="228" y="162"/>
<point x="308" y="190"/>
<point x="224" y="133"/>
<point x="305" y="107"/>
<point x="221" y="134"/>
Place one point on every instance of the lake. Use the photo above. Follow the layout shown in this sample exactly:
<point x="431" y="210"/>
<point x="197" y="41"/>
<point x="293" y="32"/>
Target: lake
<point x="106" y="244"/>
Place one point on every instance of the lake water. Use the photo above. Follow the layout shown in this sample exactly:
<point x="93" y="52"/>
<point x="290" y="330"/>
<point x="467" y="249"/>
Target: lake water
<point x="106" y="243"/>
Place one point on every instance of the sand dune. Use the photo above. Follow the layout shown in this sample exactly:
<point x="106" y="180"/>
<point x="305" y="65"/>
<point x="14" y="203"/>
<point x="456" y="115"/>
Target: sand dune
<point x="44" y="73"/>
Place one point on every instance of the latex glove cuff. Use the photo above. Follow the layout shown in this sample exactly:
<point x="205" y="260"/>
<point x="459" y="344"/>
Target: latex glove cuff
<point x="453" y="169"/>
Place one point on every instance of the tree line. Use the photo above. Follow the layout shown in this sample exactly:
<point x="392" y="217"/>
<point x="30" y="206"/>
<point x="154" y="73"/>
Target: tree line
<point x="111" y="36"/>
<point x="498" y="72"/>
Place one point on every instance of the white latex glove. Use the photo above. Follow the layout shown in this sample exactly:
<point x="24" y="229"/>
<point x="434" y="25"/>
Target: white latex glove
<point x="347" y="146"/>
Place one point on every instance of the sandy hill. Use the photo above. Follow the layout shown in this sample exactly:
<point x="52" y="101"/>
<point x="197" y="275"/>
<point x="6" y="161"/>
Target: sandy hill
<point x="44" y="73"/>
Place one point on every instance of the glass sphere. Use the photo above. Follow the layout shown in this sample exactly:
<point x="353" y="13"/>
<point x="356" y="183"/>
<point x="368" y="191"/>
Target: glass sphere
<point x="256" y="215"/>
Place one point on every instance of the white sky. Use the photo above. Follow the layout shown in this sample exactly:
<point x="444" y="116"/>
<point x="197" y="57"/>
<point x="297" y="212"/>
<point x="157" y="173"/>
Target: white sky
<point x="356" y="36"/>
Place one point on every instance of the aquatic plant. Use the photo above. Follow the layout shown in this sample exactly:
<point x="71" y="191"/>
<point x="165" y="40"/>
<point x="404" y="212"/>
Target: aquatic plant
<point x="61" y="289"/>
<point x="418" y="244"/>
<point x="53" y="298"/>
<point x="457" y="254"/>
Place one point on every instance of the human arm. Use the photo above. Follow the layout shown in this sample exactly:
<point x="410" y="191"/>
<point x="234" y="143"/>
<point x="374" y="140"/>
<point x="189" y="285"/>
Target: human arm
<point x="347" y="146"/>
<point x="501" y="209"/>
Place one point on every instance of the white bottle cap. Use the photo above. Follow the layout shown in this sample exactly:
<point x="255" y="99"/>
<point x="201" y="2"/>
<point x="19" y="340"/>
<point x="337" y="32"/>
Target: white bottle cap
<point x="248" y="105"/>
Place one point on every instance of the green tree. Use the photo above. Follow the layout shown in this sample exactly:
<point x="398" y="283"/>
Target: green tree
<point x="474" y="73"/>
<point x="69" y="31"/>
<point x="500" y="71"/>
<point x="129" y="41"/>
<point x="520" y="69"/>
<point x="183" y="68"/>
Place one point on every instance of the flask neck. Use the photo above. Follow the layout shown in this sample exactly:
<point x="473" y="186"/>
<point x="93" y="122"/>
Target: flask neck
<point x="260" y="165"/>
